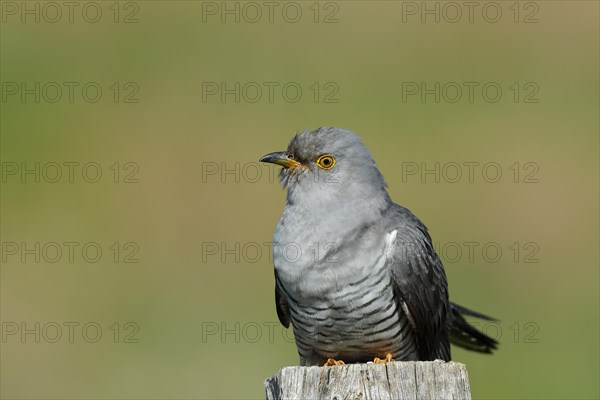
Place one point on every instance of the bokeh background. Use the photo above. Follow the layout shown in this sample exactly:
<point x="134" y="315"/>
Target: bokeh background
<point x="194" y="317"/>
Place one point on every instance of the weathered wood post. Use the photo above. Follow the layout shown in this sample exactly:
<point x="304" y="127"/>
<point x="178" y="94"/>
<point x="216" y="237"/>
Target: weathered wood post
<point x="393" y="380"/>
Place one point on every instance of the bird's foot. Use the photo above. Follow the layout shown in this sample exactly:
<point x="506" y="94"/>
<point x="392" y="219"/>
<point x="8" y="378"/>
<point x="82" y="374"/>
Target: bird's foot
<point x="331" y="361"/>
<point x="388" y="358"/>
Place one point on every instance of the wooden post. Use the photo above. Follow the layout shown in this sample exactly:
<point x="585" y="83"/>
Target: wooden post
<point x="394" y="380"/>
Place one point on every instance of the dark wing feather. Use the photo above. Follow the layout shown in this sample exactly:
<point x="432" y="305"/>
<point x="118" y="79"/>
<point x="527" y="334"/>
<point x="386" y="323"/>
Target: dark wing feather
<point x="283" y="310"/>
<point x="420" y="283"/>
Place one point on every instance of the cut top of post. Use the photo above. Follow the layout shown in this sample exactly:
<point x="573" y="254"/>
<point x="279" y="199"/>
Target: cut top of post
<point x="393" y="380"/>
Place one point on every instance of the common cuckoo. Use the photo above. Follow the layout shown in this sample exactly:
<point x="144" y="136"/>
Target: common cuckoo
<point x="356" y="274"/>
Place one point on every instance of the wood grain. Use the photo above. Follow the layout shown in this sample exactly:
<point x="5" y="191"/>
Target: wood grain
<point x="393" y="380"/>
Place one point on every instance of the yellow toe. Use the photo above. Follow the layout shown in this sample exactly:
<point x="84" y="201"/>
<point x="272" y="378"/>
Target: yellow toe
<point x="388" y="358"/>
<point x="331" y="361"/>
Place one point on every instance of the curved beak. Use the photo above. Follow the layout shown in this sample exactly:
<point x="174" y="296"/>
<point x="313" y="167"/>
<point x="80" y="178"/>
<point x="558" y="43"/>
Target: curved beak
<point x="280" y="158"/>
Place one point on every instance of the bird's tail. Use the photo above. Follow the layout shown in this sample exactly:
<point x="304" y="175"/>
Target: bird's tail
<point x="467" y="336"/>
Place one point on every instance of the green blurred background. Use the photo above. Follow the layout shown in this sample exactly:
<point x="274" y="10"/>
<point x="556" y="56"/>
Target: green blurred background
<point x="205" y="323"/>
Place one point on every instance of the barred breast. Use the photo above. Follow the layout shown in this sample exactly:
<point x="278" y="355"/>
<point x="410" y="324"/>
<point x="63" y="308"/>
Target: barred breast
<point x="361" y="321"/>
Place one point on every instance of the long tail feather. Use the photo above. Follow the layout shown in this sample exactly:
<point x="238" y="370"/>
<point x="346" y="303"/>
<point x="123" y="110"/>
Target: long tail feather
<point x="465" y="335"/>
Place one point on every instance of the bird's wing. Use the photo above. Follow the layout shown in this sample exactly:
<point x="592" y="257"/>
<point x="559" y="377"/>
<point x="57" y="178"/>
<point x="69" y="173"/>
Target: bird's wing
<point x="283" y="310"/>
<point x="420" y="285"/>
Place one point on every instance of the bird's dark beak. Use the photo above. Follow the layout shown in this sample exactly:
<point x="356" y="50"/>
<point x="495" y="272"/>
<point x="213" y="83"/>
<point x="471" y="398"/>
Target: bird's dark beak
<point x="280" y="158"/>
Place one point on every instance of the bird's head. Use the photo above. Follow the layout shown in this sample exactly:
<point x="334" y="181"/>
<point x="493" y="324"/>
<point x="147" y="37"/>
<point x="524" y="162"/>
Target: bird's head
<point x="328" y="166"/>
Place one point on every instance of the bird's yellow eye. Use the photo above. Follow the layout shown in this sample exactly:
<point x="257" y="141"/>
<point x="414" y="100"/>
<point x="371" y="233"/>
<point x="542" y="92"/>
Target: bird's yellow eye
<point x="326" y="161"/>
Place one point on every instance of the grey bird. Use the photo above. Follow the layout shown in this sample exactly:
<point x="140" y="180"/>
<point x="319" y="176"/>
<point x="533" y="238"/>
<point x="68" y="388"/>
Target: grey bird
<point x="356" y="274"/>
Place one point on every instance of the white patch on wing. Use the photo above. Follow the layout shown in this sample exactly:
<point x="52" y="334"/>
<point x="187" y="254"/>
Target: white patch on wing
<point x="390" y="239"/>
<point x="408" y="314"/>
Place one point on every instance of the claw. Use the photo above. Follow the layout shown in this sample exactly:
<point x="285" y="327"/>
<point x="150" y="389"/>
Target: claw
<point x="331" y="361"/>
<point x="388" y="358"/>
